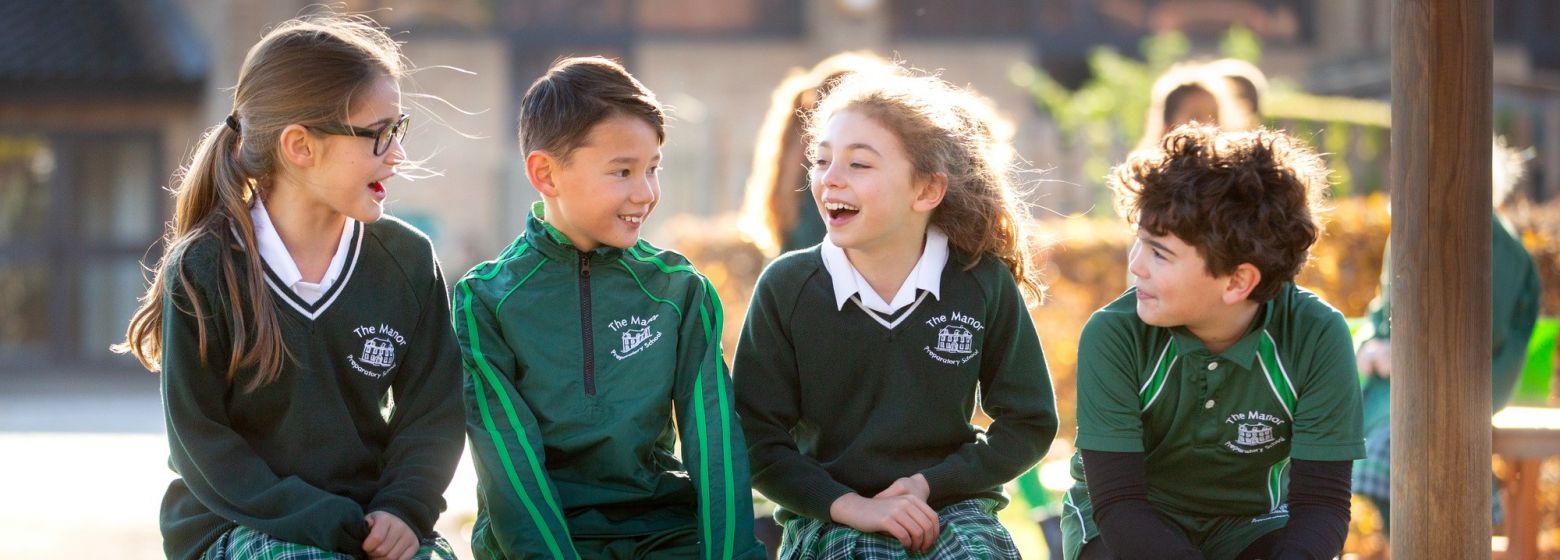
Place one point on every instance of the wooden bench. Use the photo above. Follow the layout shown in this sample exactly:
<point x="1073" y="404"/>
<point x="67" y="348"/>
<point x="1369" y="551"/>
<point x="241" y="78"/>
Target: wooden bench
<point x="1524" y="436"/>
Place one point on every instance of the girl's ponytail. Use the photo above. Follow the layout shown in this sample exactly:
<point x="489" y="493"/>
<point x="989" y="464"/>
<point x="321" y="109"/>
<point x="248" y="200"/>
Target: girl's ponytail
<point x="306" y="71"/>
<point x="212" y="199"/>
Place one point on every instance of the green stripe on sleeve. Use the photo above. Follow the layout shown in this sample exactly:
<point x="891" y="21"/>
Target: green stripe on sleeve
<point x="516" y="427"/>
<point x="1156" y="381"/>
<point x="640" y="252"/>
<point x="634" y="252"/>
<point x="725" y="420"/>
<point x="704" y="462"/>
<point x="1277" y="376"/>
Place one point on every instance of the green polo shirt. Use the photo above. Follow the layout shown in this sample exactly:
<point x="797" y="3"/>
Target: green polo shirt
<point x="1218" y="430"/>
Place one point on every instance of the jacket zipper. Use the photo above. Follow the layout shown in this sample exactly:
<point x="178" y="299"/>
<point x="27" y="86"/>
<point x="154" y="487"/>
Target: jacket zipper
<point x="585" y="330"/>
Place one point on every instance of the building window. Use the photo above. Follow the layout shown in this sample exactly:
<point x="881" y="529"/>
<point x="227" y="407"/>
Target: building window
<point x="77" y="214"/>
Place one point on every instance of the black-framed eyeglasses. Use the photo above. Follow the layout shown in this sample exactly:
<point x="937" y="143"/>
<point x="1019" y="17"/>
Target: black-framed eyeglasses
<point x="382" y="136"/>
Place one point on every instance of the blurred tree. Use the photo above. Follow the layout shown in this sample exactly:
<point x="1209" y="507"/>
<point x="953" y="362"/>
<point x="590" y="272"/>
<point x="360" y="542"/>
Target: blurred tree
<point x="1102" y="120"/>
<point x="1104" y="117"/>
<point x="1241" y="43"/>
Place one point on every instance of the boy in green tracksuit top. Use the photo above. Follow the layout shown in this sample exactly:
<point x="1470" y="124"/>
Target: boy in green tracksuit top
<point x="1218" y="403"/>
<point x="579" y="342"/>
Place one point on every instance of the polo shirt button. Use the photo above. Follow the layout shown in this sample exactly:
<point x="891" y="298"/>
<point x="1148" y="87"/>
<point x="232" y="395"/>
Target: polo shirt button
<point x="1213" y="366"/>
<point x="1208" y="404"/>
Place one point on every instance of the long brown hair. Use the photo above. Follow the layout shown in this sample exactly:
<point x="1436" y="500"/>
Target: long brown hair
<point x="769" y="205"/>
<point x="953" y="131"/>
<point x="305" y="71"/>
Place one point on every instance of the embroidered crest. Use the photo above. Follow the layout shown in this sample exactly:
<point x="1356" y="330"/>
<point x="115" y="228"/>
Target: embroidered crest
<point x="956" y="338"/>
<point x="1255" y="431"/>
<point x="1254" y="434"/>
<point x="636" y="335"/>
<point x="378" y="352"/>
<point x="381" y="346"/>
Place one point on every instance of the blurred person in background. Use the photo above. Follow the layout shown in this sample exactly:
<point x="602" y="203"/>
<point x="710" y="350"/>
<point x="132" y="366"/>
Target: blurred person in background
<point x="1226" y="93"/>
<point x="778" y="215"/>
<point x="1514" y="308"/>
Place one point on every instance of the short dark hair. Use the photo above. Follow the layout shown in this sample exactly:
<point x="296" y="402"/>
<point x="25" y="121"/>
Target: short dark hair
<point x="1180" y="96"/>
<point x="1238" y="197"/>
<point x="560" y="108"/>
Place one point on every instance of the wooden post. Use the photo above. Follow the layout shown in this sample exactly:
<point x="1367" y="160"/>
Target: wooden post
<point x="1441" y="126"/>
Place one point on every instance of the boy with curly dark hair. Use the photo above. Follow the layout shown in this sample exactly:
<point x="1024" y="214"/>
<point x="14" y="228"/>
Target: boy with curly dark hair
<point x="1218" y="403"/>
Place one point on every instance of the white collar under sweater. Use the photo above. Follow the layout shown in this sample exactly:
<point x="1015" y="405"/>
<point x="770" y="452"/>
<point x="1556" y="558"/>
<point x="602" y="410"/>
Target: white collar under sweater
<point x="281" y="262"/>
<point x="927" y="275"/>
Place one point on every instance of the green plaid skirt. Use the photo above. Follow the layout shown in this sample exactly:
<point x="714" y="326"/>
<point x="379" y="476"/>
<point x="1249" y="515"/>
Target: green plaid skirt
<point x="243" y="543"/>
<point x="970" y="531"/>
<point x="1373" y="474"/>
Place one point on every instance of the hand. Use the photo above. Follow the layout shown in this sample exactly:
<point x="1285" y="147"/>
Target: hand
<point x="913" y="485"/>
<point x="906" y="518"/>
<point x="1375" y="357"/>
<point x="389" y="538"/>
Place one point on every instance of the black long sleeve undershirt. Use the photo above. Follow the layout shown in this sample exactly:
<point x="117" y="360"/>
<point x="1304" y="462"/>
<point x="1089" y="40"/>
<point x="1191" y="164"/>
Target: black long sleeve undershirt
<point x="1318" y="510"/>
<point x="1118" y="489"/>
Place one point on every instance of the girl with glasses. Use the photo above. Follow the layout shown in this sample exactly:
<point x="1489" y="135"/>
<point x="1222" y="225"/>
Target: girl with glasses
<point x="310" y="377"/>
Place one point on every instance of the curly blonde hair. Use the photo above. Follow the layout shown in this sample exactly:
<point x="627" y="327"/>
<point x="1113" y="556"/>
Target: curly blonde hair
<point x="956" y="132"/>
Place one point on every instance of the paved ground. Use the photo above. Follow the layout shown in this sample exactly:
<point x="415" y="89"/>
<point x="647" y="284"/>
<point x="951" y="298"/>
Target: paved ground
<point x="83" y="466"/>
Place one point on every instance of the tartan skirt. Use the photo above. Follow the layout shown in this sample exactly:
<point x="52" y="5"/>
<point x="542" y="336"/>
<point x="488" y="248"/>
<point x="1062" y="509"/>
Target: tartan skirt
<point x="1373" y="474"/>
<point x="243" y="543"/>
<point x="970" y="531"/>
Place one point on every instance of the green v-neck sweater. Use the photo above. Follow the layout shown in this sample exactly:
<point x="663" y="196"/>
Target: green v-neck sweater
<point x="835" y="401"/>
<point x="365" y="415"/>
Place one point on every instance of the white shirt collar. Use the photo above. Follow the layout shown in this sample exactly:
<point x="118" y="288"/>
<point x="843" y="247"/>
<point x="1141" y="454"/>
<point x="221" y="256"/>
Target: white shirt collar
<point x="927" y="275"/>
<point x="281" y="262"/>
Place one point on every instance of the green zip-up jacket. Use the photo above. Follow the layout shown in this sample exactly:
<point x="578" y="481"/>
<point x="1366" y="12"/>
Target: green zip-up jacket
<point x="575" y="362"/>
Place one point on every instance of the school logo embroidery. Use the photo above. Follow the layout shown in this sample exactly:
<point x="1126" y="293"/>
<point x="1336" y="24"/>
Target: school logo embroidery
<point x="1254" y="434"/>
<point x="636" y="335"/>
<point x="1255" y="431"/>
<point x="378" y="356"/>
<point x="955" y="338"/>
<point x="378" y="352"/>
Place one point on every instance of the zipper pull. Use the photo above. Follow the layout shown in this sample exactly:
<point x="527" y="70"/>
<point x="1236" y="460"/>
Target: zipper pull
<point x="584" y="264"/>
